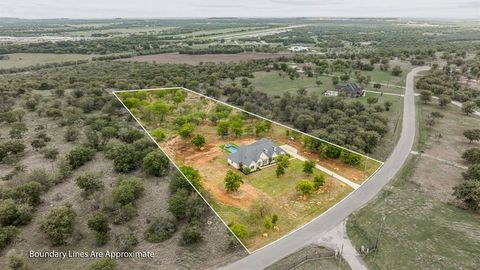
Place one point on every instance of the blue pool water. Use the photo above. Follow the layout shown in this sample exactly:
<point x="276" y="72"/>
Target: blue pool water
<point x="231" y="148"/>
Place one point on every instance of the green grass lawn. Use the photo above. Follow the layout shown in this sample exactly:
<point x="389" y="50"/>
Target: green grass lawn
<point x="19" y="60"/>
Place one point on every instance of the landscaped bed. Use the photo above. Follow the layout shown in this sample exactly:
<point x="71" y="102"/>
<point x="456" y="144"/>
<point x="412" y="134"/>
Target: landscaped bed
<point x="237" y="162"/>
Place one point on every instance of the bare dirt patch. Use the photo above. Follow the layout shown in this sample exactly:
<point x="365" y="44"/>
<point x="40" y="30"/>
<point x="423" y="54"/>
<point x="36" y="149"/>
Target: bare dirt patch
<point x="176" y="58"/>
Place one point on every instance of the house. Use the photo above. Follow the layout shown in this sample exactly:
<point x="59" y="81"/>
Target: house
<point x="255" y="155"/>
<point x="298" y="49"/>
<point x="330" y="93"/>
<point x="351" y="89"/>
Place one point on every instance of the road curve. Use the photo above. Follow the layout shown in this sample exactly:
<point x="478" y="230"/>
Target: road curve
<point x="322" y="224"/>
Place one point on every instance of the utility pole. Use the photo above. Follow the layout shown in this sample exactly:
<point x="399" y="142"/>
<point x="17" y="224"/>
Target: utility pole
<point x="379" y="234"/>
<point x="340" y="258"/>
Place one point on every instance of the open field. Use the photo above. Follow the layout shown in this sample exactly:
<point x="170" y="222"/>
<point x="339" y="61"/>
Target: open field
<point x="422" y="221"/>
<point x="19" y="60"/>
<point x="263" y="194"/>
<point x="176" y="58"/>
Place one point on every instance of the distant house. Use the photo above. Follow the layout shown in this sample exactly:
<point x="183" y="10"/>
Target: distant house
<point x="255" y="155"/>
<point x="351" y="89"/>
<point x="330" y="93"/>
<point x="298" y="49"/>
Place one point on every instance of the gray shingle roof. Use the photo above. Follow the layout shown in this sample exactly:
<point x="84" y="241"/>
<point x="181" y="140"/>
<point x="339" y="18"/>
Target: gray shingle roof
<point x="351" y="88"/>
<point x="248" y="153"/>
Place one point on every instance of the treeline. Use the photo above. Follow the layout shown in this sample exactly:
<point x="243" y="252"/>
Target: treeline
<point x="228" y="49"/>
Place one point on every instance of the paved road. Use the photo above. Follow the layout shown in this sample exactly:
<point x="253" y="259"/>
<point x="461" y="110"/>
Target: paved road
<point x="319" y="226"/>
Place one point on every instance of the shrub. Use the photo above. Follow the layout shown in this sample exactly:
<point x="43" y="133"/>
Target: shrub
<point x="129" y="135"/>
<point x="64" y="169"/>
<point x="195" y="209"/>
<point x="37" y="144"/>
<point x="50" y="153"/>
<point x="41" y="176"/>
<point x="350" y="158"/>
<point x="191" y="234"/>
<point x="71" y="134"/>
<point x="15" y="261"/>
<point x="177" y="203"/>
<point x="79" y="156"/>
<point x="469" y="192"/>
<point x="17" y="130"/>
<point x="124" y="213"/>
<point x="319" y="180"/>
<point x="112" y="147"/>
<point x="14" y="214"/>
<point x="305" y="187"/>
<point x="89" y="183"/>
<point x="239" y="230"/>
<point x="26" y="193"/>
<point x="99" y="224"/>
<point x="156" y="163"/>
<point x="58" y="225"/>
<point x="279" y="171"/>
<point x="161" y="228"/>
<point x="472" y="173"/>
<point x="7" y="234"/>
<point x="158" y="134"/>
<point x="127" y="190"/>
<point x="126" y="241"/>
<point x="103" y="264"/>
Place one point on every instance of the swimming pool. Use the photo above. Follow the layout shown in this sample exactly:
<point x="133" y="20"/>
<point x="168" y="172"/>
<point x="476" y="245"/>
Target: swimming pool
<point x="230" y="148"/>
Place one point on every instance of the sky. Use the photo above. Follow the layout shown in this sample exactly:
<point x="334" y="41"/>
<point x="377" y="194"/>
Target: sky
<point x="456" y="9"/>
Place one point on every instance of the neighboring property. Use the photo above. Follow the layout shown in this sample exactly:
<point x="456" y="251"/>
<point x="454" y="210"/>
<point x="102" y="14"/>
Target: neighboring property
<point x="298" y="49"/>
<point x="351" y="89"/>
<point x="255" y="155"/>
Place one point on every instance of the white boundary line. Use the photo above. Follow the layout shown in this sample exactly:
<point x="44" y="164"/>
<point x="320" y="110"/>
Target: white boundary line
<point x="259" y="116"/>
<point x="175" y="165"/>
<point x="178" y="168"/>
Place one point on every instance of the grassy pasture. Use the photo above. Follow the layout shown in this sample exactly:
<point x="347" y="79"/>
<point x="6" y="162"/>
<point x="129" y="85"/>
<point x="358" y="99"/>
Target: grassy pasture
<point x="19" y="60"/>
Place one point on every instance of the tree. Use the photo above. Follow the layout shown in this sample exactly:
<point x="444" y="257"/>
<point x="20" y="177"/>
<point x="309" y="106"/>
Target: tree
<point x="387" y="105"/>
<point x="444" y="100"/>
<point x="335" y="80"/>
<point x="372" y="100"/>
<point x="425" y="96"/>
<point x="99" y="224"/>
<point x="232" y="181"/>
<point x="472" y="134"/>
<point x="103" y="264"/>
<point x="156" y="163"/>
<point x="161" y="228"/>
<point x="223" y="128"/>
<point x="468" y="192"/>
<point x="177" y="203"/>
<point x="186" y="130"/>
<point x="472" y="155"/>
<point x="308" y="166"/>
<point x="396" y="71"/>
<point x="377" y="86"/>
<point x="58" y="225"/>
<point x="469" y="107"/>
<point x="319" y="181"/>
<point x="305" y="187"/>
<point x="79" y="156"/>
<point x="192" y="175"/>
<point x="158" y="134"/>
<point x="472" y="173"/>
<point x="198" y="141"/>
<point x="127" y="190"/>
<point x="89" y="183"/>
